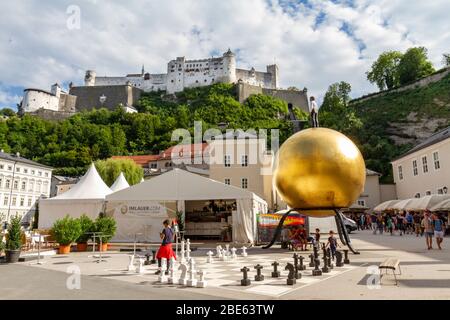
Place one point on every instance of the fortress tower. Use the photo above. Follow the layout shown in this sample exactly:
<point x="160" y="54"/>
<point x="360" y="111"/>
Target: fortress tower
<point x="273" y="70"/>
<point x="229" y="65"/>
<point x="89" y="79"/>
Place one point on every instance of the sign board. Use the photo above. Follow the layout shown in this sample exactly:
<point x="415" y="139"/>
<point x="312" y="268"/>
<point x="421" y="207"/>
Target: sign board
<point x="148" y="209"/>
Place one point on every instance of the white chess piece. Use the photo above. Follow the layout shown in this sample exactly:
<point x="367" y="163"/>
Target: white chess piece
<point x="183" y="252"/>
<point x="188" y="249"/>
<point x="244" y="251"/>
<point x="192" y="281"/>
<point x="219" y="251"/>
<point x="209" y="259"/>
<point x="171" y="278"/>
<point x="140" y="268"/>
<point x="131" y="266"/>
<point x="227" y="249"/>
<point x="182" y="279"/>
<point x="223" y="256"/>
<point x="201" y="283"/>
<point x="162" y="275"/>
<point x="233" y="253"/>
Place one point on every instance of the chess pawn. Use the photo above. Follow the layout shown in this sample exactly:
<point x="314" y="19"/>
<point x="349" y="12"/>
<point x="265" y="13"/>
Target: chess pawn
<point x="201" y="283"/>
<point x="131" y="266"/>
<point x="162" y="278"/>
<point x="140" y="268"/>
<point x="182" y="279"/>
<point x="244" y="251"/>
<point x="233" y="253"/>
<point x="209" y="259"/>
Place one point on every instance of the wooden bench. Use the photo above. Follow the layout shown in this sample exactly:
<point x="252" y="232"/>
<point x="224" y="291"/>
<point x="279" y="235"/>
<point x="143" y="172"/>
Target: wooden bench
<point x="390" y="264"/>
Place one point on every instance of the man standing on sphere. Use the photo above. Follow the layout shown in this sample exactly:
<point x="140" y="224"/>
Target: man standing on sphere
<point x="314" y="112"/>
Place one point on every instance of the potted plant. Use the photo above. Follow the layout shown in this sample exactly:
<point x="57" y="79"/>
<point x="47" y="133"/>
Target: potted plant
<point x="86" y="225"/>
<point x="66" y="231"/>
<point x="107" y="226"/>
<point x="13" y="241"/>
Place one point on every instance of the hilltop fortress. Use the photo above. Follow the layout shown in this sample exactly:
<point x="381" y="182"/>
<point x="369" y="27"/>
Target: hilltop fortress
<point x="110" y="92"/>
<point x="182" y="73"/>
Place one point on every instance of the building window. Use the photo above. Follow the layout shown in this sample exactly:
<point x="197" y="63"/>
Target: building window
<point x="437" y="164"/>
<point x="415" y="171"/>
<point x="425" y="164"/>
<point x="1" y="182"/>
<point x="46" y="174"/>
<point x="40" y="173"/>
<point x="17" y="169"/>
<point x="244" y="160"/>
<point x="2" y="166"/>
<point x="244" y="183"/>
<point x="153" y="165"/>
<point x="24" y="186"/>
<point x="14" y="200"/>
<point x="362" y="203"/>
<point x="227" y="181"/>
<point x="400" y="172"/>
<point x="428" y="193"/>
<point x="31" y="186"/>
<point x="22" y="201"/>
<point x="32" y="171"/>
<point x="417" y="195"/>
<point x="6" y="200"/>
<point x="227" y="161"/>
<point x="9" y="168"/>
<point x="30" y="201"/>
<point x="440" y="191"/>
<point x="25" y="170"/>
<point x="16" y="185"/>
<point x="7" y="184"/>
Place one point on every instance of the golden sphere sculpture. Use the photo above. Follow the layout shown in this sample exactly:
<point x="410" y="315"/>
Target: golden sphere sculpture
<point x="319" y="168"/>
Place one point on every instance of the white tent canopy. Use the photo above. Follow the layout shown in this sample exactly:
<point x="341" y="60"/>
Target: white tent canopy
<point x="178" y="186"/>
<point x="386" y="205"/>
<point x="86" y="197"/>
<point x="120" y="183"/>
<point x="442" y="206"/>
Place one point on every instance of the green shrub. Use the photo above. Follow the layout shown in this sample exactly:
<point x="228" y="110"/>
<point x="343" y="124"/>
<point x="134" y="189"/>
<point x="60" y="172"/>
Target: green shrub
<point x="106" y="225"/>
<point x="14" y="237"/>
<point x="86" y="225"/>
<point x="2" y="246"/>
<point x="66" y="230"/>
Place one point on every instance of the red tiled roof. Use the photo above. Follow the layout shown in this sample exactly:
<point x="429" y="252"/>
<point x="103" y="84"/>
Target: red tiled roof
<point x="140" y="160"/>
<point x="167" y="154"/>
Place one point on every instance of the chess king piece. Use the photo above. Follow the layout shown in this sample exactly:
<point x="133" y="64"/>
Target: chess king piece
<point x="131" y="266"/>
<point x="275" y="273"/>
<point x="209" y="259"/>
<point x="192" y="281"/>
<point x="183" y="252"/>
<point x="325" y="268"/>
<point x="316" y="253"/>
<point x="162" y="278"/>
<point x="188" y="249"/>
<point x="259" y="276"/>
<point x="244" y="251"/>
<point x="201" y="283"/>
<point x="339" y="259"/>
<point x="316" y="271"/>
<point x="296" y="274"/>
<point x="329" y="263"/>
<point x="301" y="266"/>
<point x="346" y="259"/>
<point x="311" y="262"/>
<point x="291" y="276"/>
<point x="245" y="281"/>
<point x="227" y="249"/>
<point x="182" y="279"/>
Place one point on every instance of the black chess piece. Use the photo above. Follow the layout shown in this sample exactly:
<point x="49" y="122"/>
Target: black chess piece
<point x="325" y="268"/>
<point x="329" y="261"/>
<point x="311" y="261"/>
<point x="316" y="271"/>
<point x="339" y="259"/>
<point x="245" y="281"/>
<point x="259" y="276"/>
<point x="154" y="257"/>
<point x="346" y="259"/>
<point x="296" y="274"/>
<point x="291" y="276"/>
<point x="316" y="253"/>
<point x="147" y="260"/>
<point x="275" y="273"/>
<point x="301" y="266"/>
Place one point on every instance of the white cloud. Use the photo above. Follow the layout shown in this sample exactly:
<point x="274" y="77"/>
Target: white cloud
<point x="116" y="37"/>
<point x="7" y="99"/>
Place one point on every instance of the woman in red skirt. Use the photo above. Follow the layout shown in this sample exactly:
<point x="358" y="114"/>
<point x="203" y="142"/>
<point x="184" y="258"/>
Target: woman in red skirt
<point x="165" y="250"/>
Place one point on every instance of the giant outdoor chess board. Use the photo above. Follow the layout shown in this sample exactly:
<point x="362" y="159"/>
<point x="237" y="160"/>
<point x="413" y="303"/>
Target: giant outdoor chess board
<point x="227" y="275"/>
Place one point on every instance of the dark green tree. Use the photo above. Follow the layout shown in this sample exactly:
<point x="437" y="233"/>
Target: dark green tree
<point x="414" y="65"/>
<point x="384" y="71"/>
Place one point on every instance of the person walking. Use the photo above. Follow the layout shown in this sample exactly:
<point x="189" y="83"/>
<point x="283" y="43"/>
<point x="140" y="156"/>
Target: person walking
<point x="417" y="219"/>
<point x="314" y="112"/>
<point x="439" y="228"/>
<point x="427" y="224"/>
<point x="389" y="225"/>
<point x="400" y="224"/>
<point x="373" y="218"/>
<point x="165" y="250"/>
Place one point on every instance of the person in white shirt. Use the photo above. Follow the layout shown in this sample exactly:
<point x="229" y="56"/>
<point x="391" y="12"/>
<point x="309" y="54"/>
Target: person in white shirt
<point x="314" y="112"/>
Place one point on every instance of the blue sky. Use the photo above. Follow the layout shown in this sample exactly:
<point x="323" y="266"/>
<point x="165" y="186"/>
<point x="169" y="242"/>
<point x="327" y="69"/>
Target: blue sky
<point x="314" y="42"/>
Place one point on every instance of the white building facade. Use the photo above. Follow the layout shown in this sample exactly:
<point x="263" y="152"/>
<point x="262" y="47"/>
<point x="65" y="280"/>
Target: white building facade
<point x="54" y="100"/>
<point x="182" y="73"/>
<point x="22" y="183"/>
<point x="425" y="169"/>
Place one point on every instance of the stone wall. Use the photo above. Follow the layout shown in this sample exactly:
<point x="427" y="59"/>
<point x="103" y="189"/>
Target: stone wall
<point x="298" y="99"/>
<point x="88" y="98"/>
<point x="51" y="115"/>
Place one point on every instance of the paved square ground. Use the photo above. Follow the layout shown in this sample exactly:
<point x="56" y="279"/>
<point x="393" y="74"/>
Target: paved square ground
<point x="425" y="275"/>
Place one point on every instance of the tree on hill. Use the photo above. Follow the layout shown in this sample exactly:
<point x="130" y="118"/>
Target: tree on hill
<point x="446" y="59"/>
<point x="110" y="170"/>
<point x="414" y="65"/>
<point x="384" y="71"/>
<point x="7" y="112"/>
